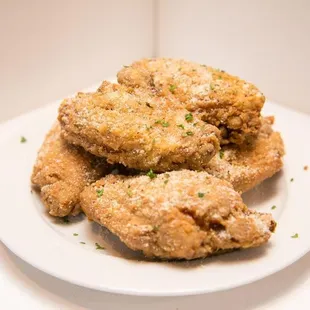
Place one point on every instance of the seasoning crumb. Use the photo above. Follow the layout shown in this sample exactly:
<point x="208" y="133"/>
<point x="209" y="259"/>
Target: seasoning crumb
<point x="166" y="181"/>
<point x="189" y="117"/>
<point x="201" y="195"/>
<point x="305" y="168"/>
<point x="75" y="234"/>
<point x="292" y="180"/>
<point x="295" y="236"/>
<point x="181" y="126"/>
<point x="99" y="247"/>
<point x="23" y="139"/>
<point x="172" y="88"/>
<point x="82" y="242"/>
<point x="189" y="133"/>
<point x="273" y="207"/>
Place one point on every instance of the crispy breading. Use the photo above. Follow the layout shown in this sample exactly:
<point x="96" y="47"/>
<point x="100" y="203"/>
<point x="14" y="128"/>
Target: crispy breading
<point x="127" y="129"/>
<point x="176" y="215"/>
<point x="62" y="171"/>
<point x="223" y="100"/>
<point x="245" y="168"/>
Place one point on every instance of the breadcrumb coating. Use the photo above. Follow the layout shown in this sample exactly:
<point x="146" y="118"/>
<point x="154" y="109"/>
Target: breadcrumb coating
<point x="176" y="215"/>
<point x="62" y="171"/>
<point x="247" y="167"/>
<point x="130" y="130"/>
<point x="218" y="98"/>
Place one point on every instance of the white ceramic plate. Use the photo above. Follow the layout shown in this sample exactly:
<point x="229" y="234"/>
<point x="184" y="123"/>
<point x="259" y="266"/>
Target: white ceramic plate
<point x="50" y="245"/>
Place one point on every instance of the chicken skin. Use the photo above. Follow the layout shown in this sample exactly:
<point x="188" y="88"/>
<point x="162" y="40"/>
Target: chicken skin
<point x="218" y="98"/>
<point x="176" y="215"/>
<point x="247" y="167"/>
<point x="130" y="130"/>
<point x="62" y="171"/>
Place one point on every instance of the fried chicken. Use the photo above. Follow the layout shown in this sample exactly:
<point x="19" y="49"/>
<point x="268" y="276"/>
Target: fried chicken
<point x="246" y="168"/>
<point x="130" y="130"/>
<point x="176" y="215"/>
<point x="218" y="98"/>
<point x="62" y="171"/>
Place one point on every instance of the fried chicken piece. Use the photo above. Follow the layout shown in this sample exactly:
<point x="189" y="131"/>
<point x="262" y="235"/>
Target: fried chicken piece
<point x="176" y="215"/>
<point x="62" y="171"/>
<point x="127" y="129"/>
<point x="225" y="101"/>
<point x="245" y="168"/>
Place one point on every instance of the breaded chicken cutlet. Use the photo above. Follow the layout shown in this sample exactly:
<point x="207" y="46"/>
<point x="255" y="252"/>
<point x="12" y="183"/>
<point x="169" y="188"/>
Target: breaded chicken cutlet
<point x="176" y="215"/>
<point x="127" y="129"/>
<point x="62" y="171"/>
<point x="247" y="167"/>
<point x="218" y="98"/>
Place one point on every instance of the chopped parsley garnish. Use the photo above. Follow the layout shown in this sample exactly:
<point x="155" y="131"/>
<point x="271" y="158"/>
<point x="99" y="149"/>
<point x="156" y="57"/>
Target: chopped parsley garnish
<point x="211" y="86"/>
<point x="195" y="124"/>
<point x="201" y="195"/>
<point x="23" y="140"/>
<point x="273" y="207"/>
<point x="99" y="192"/>
<point x="151" y="174"/>
<point x="163" y="123"/>
<point x="221" y="153"/>
<point x="65" y="220"/>
<point x="181" y="126"/>
<point x="155" y="228"/>
<point x="167" y="175"/>
<point x="189" y="133"/>
<point x="166" y="181"/>
<point x="172" y="88"/>
<point x="292" y="180"/>
<point x="295" y="236"/>
<point x="129" y="192"/>
<point x="148" y="105"/>
<point x="75" y="234"/>
<point x="99" y="247"/>
<point x="82" y="242"/>
<point x="189" y="117"/>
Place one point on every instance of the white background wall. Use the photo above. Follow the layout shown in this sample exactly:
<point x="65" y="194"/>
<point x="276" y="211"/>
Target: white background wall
<point x="264" y="41"/>
<point x="50" y="49"/>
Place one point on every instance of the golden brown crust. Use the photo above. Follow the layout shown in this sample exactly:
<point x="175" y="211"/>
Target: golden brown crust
<point x="62" y="171"/>
<point x="245" y="168"/>
<point x="127" y="129"/>
<point x="223" y="100"/>
<point x="176" y="215"/>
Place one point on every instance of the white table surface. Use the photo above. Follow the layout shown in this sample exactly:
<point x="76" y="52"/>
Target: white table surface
<point x="24" y="287"/>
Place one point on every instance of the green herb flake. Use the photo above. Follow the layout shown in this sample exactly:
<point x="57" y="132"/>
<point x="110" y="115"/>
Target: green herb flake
<point x="181" y="126"/>
<point x="75" y="234"/>
<point x="165" y="124"/>
<point x="99" y="192"/>
<point x="129" y="192"/>
<point x="82" y="242"/>
<point x="23" y="140"/>
<point x="273" y="207"/>
<point x="189" y="117"/>
<point x="155" y="228"/>
<point x="172" y="88"/>
<point x="211" y="86"/>
<point x="201" y="195"/>
<point x="125" y="66"/>
<point x="99" y="247"/>
<point x="65" y="220"/>
<point x="292" y="180"/>
<point x="166" y="181"/>
<point x="167" y="175"/>
<point x="221" y="154"/>
<point x="189" y="133"/>
<point x="295" y="236"/>
<point x="151" y="174"/>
